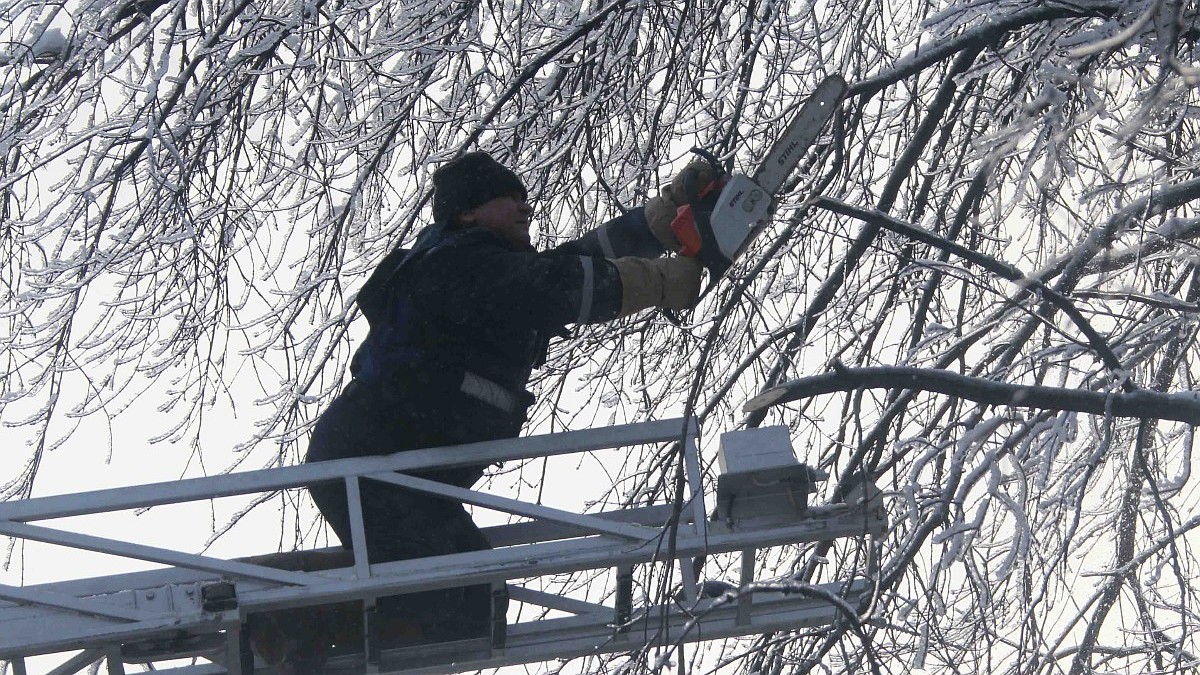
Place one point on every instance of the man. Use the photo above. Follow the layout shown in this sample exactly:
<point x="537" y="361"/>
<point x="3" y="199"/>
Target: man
<point x="457" y="324"/>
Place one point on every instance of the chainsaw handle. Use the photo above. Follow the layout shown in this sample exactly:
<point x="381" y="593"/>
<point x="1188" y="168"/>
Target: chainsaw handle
<point x="685" y="231"/>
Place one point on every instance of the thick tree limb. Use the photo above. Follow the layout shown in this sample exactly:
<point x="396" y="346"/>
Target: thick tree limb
<point x="1180" y="407"/>
<point x="984" y="34"/>
<point x="1096" y="341"/>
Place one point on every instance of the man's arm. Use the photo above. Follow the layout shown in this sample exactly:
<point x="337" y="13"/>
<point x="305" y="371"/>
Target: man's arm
<point x="488" y="288"/>
<point x="626" y="235"/>
<point x="644" y="232"/>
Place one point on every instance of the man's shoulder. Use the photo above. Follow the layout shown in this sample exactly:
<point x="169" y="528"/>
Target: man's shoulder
<point x="373" y="296"/>
<point x="459" y="240"/>
<point x="474" y="244"/>
<point x="454" y="260"/>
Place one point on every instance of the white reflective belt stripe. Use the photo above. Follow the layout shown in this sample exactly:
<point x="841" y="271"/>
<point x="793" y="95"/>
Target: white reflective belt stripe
<point x="487" y="391"/>
<point x="588" y="290"/>
<point x="606" y="246"/>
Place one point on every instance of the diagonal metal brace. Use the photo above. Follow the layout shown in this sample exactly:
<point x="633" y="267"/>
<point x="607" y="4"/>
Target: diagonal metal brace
<point x="584" y="522"/>
<point x="165" y="556"/>
<point x="71" y="603"/>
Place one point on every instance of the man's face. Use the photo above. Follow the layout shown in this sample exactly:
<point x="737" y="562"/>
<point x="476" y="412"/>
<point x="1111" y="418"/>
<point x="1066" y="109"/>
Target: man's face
<point x="507" y="216"/>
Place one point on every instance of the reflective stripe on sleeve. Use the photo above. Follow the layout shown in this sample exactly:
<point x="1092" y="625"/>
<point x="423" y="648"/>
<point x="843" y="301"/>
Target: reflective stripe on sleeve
<point x="606" y="246"/>
<point x="588" y="290"/>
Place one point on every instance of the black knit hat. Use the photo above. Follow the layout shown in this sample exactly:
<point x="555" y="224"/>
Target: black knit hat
<point x="473" y="179"/>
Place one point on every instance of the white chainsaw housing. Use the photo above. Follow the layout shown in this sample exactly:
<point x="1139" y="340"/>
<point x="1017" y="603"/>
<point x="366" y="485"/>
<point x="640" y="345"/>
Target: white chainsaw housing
<point x="740" y="208"/>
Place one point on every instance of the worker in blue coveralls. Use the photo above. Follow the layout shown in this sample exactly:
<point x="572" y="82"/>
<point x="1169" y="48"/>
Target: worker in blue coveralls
<point x="457" y="324"/>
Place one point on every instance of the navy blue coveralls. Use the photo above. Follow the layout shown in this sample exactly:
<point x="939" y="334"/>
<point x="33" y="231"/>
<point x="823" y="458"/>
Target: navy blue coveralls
<point x="457" y="325"/>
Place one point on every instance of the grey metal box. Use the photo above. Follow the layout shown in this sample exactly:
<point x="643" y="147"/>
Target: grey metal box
<point x="760" y="475"/>
<point x="755" y="450"/>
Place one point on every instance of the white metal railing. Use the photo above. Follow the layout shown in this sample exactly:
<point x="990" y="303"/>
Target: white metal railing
<point x="277" y="588"/>
<point x="103" y="615"/>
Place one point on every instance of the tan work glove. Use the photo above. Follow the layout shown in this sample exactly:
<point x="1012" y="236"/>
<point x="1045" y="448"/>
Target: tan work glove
<point x="672" y="282"/>
<point x="660" y="210"/>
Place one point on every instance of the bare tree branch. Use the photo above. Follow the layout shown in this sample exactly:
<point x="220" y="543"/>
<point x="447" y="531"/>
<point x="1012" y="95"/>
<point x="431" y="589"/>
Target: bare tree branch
<point x="1180" y="407"/>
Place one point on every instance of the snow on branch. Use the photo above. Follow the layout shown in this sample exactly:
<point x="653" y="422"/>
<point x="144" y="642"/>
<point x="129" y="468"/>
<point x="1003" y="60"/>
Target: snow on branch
<point x="1181" y="407"/>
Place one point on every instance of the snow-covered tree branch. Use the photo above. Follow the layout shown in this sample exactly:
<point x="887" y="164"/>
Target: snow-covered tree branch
<point x="191" y="194"/>
<point x="1181" y="407"/>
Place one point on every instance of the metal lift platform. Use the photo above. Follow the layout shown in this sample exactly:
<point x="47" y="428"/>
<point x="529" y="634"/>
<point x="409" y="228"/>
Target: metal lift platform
<point x="190" y="617"/>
